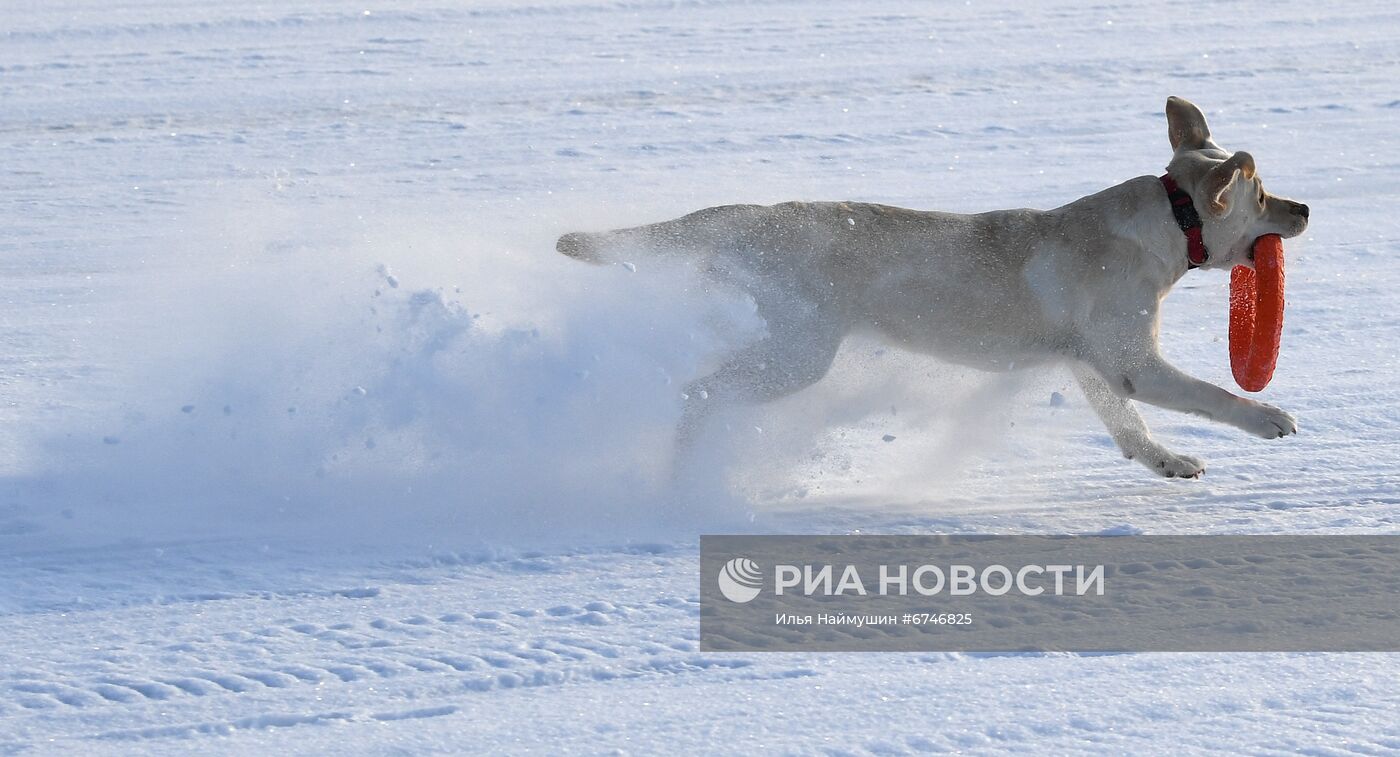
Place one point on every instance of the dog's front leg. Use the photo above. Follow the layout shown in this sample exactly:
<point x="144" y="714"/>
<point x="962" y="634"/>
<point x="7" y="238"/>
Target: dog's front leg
<point x="1129" y="430"/>
<point x="1153" y="380"/>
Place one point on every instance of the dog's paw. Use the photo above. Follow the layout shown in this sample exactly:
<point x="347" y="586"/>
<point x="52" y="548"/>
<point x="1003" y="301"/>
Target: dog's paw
<point x="1268" y="421"/>
<point x="1168" y="464"/>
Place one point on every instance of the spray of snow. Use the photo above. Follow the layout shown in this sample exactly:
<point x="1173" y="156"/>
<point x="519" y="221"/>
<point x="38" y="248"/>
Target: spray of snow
<point x="378" y="379"/>
<point x="394" y="376"/>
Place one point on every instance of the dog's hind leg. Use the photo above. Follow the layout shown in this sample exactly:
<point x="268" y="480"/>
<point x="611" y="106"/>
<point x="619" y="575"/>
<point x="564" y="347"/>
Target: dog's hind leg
<point x="1129" y="431"/>
<point x="792" y="357"/>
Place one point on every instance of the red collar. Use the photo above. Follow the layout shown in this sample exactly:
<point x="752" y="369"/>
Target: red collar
<point x="1188" y="219"/>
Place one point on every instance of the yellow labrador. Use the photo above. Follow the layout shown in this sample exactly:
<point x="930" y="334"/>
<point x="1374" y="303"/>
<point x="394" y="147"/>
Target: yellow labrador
<point x="1000" y="290"/>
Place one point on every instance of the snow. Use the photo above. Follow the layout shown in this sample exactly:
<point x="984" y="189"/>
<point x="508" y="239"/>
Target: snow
<point x="311" y="441"/>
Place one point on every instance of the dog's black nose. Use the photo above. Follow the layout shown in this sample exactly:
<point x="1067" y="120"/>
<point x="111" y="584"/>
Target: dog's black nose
<point x="1299" y="209"/>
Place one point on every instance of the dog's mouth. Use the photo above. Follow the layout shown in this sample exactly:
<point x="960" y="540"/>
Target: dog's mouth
<point x="1248" y="258"/>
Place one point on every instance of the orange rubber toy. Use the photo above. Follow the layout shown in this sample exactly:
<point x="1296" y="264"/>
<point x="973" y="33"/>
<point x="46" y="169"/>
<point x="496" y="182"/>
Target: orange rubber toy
<point x="1256" y="315"/>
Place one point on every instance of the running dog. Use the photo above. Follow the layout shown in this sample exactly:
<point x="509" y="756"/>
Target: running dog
<point x="1080" y="284"/>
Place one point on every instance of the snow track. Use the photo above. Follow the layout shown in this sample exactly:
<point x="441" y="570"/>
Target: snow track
<point x="203" y="205"/>
<point x="454" y="654"/>
<point x="429" y="660"/>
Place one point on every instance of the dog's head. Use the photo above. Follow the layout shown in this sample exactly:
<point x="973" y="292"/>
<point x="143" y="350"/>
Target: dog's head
<point x="1234" y="207"/>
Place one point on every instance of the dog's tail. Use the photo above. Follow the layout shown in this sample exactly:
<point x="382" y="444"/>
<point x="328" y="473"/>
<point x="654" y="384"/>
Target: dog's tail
<point x="700" y="232"/>
<point x="581" y="246"/>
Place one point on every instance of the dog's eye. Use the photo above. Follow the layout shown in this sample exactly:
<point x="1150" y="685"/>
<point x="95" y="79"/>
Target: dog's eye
<point x="1261" y="195"/>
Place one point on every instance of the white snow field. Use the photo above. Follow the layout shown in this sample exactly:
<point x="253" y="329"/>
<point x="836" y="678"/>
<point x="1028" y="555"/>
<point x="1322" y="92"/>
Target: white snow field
<point x="312" y="443"/>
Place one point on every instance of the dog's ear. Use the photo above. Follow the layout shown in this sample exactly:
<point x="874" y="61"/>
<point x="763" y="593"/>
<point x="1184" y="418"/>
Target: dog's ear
<point x="1186" y="125"/>
<point x="1221" y="180"/>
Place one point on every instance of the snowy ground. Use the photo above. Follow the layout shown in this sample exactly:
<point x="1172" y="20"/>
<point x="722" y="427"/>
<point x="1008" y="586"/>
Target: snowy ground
<point x="310" y="441"/>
